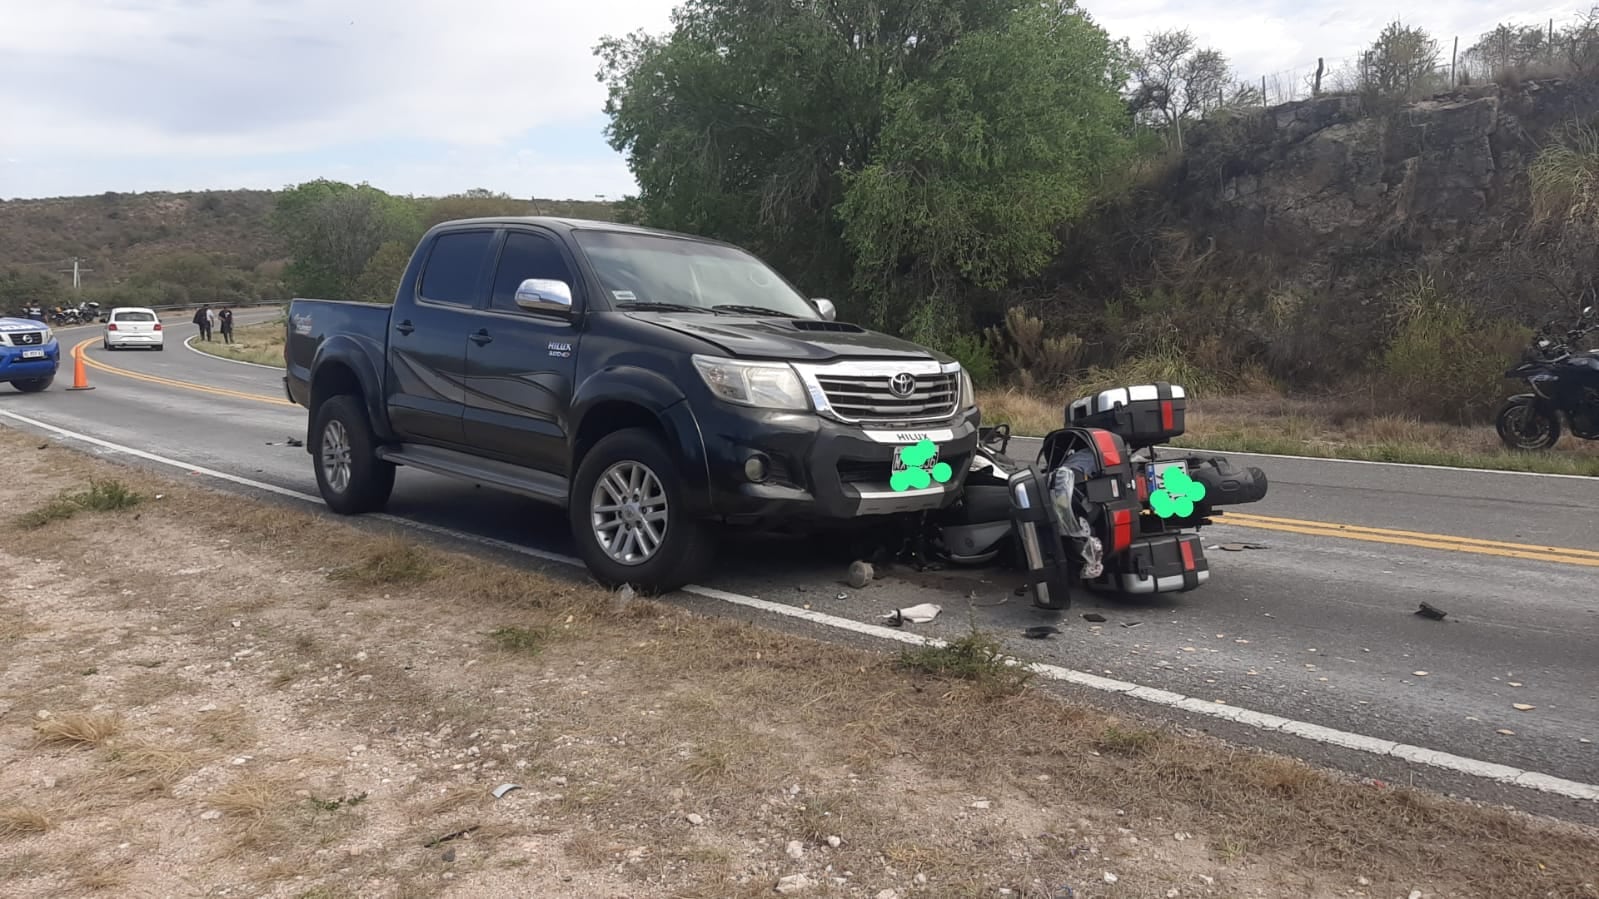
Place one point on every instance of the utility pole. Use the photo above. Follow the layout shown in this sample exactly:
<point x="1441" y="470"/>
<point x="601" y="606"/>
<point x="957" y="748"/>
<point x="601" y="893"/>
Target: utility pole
<point x="76" y="270"/>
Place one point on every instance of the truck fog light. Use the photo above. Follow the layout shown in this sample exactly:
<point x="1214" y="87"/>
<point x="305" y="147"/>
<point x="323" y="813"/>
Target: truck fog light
<point x="756" y="468"/>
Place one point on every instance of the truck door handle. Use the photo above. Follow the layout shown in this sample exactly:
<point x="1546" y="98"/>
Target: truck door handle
<point x="481" y="337"/>
<point x="405" y="327"/>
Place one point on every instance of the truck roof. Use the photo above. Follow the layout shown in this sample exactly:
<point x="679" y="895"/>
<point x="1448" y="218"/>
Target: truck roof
<point x="572" y="224"/>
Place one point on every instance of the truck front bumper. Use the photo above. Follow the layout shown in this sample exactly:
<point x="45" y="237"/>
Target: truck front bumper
<point x="781" y="466"/>
<point x="15" y="364"/>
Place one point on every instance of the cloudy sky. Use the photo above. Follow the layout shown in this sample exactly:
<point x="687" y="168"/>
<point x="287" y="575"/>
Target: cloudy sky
<point x="439" y="96"/>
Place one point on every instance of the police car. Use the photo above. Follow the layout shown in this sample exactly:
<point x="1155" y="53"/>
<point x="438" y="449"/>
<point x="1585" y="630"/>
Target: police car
<point x="29" y="354"/>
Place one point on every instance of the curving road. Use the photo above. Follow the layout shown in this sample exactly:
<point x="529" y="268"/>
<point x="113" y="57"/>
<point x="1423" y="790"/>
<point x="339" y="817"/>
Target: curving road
<point x="1316" y="627"/>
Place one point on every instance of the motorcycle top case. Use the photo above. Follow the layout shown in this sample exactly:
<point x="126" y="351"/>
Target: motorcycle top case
<point x="1162" y="563"/>
<point x="1107" y="482"/>
<point x="1142" y="416"/>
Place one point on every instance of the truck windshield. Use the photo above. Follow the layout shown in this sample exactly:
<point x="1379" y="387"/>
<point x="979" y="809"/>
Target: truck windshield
<point x="644" y="269"/>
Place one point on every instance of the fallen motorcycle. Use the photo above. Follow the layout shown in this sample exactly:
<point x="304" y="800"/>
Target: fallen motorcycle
<point x="1099" y="506"/>
<point x="1565" y="384"/>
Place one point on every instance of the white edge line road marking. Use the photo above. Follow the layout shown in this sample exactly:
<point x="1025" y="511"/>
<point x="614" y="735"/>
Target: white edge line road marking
<point x="1314" y="732"/>
<point x="1483" y="471"/>
<point x="188" y="342"/>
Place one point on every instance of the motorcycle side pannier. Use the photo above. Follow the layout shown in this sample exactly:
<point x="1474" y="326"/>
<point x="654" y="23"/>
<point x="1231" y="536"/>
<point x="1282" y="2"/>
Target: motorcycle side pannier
<point x="1105" y="471"/>
<point x="1142" y="416"/>
<point x="1163" y="563"/>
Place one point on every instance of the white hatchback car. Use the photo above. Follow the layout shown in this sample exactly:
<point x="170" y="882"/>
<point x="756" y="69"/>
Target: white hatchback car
<point x="133" y="326"/>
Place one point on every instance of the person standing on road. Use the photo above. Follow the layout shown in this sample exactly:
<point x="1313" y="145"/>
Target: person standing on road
<point x="202" y="320"/>
<point x="225" y="317"/>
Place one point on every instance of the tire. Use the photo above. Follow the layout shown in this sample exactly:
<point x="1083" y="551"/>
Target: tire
<point x="685" y="547"/>
<point x="34" y="385"/>
<point x="105" y="344"/>
<point x="160" y="346"/>
<point x="341" y="433"/>
<point x="1524" y="423"/>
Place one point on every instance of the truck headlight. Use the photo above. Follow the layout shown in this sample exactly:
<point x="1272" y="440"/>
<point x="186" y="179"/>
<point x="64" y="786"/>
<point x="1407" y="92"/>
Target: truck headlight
<point x="968" y="391"/>
<point x="49" y="335"/>
<point x="764" y="385"/>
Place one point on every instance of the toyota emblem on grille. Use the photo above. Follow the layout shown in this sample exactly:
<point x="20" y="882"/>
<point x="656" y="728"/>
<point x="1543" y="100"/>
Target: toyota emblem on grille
<point x="902" y="384"/>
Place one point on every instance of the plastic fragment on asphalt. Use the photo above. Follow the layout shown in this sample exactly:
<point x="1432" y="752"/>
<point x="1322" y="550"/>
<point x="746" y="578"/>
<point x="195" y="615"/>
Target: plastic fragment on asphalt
<point x="1427" y="610"/>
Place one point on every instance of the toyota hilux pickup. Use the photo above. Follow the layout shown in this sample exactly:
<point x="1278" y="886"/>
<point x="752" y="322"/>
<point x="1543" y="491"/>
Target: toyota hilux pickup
<point x="29" y="354"/>
<point x="659" y="387"/>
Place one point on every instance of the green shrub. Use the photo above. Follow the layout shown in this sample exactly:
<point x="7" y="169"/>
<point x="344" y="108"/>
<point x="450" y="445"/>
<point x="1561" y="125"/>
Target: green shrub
<point x="1444" y="361"/>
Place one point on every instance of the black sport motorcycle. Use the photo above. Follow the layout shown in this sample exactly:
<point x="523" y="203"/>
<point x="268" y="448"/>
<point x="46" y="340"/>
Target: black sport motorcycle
<point x="1099" y="507"/>
<point x="1565" y="384"/>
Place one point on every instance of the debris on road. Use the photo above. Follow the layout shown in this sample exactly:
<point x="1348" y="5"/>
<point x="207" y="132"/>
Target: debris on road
<point x="1522" y="707"/>
<point x="917" y="614"/>
<point x="295" y="441"/>
<point x="1505" y="731"/>
<point x="841" y="595"/>
<point x="1040" y="632"/>
<point x="1419" y="673"/>
<point x="622" y="597"/>
<point x="1093" y="616"/>
<point x="1428" y="610"/>
<point x="1130" y="624"/>
<point x="502" y="789"/>
<point x="860" y="574"/>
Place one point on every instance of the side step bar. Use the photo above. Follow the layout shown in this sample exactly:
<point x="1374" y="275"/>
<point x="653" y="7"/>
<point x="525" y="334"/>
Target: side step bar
<point x="537" y="485"/>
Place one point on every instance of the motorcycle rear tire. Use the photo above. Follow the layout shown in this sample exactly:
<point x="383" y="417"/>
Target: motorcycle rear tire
<point x="1515" y="438"/>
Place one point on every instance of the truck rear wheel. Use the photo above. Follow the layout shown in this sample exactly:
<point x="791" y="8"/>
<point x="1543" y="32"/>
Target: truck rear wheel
<point x="629" y="517"/>
<point x="349" y="474"/>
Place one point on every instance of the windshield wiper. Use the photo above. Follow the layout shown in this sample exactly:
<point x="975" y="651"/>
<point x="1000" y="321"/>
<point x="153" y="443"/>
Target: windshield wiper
<point x="662" y="307"/>
<point x="754" y="310"/>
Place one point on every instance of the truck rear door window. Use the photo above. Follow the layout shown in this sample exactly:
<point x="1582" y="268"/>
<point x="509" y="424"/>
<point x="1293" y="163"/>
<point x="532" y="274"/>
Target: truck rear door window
<point x="453" y="267"/>
<point x="526" y="256"/>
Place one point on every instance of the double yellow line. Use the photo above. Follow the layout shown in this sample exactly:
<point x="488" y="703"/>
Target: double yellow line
<point x="81" y="348"/>
<point x="1389" y="536"/>
<point x="1420" y="540"/>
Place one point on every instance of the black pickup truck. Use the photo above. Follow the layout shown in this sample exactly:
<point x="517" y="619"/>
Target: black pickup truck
<point x="657" y="386"/>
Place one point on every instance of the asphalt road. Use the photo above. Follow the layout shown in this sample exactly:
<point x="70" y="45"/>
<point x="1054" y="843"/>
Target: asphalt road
<point x="1317" y="626"/>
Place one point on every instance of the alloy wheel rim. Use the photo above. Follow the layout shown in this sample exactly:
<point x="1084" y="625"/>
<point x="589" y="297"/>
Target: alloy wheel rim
<point x="336" y="456"/>
<point x="628" y="512"/>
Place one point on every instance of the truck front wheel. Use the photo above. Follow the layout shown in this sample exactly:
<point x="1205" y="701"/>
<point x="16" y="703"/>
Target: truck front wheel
<point x="630" y="520"/>
<point x="33" y="385"/>
<point x="349" y="474"/>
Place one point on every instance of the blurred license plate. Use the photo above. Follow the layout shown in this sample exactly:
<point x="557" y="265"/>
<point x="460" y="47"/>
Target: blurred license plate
<point x="1158" y="473"/>
<point x="33" y="354"/>
<point x="899" y="463"/>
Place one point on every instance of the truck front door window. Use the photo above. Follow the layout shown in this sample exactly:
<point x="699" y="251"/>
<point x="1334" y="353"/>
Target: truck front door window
<point x="454" y="266"/>
<point x="527" y="256"/>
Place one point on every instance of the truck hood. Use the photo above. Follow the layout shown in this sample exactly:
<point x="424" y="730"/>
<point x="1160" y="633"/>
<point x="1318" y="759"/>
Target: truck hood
<point x="788" y="339"/>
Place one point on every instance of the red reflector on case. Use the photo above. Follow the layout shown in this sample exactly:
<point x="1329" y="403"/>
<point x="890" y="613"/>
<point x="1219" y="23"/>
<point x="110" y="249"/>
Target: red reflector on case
<point x="1122" y="520"/>
<point x="1166" y="415"/>
<point x="1188" y="554"/>
<point x="1106" y="442"/>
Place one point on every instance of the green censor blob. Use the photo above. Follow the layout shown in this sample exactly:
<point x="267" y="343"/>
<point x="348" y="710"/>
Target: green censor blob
<point x="917" y="474"/>
<point x="1177" y="495"/>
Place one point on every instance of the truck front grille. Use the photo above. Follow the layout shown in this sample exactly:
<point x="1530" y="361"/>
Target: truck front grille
<point x="872" y="398"/>
<point x="27" y="338"/>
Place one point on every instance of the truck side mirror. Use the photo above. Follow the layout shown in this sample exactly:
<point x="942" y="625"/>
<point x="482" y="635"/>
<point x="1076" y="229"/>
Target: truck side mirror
<point x="827" y="309"/>
<point x="544" y="295"/>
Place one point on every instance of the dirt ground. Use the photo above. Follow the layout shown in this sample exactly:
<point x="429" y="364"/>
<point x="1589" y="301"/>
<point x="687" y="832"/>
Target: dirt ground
<point x="203" y="695"/>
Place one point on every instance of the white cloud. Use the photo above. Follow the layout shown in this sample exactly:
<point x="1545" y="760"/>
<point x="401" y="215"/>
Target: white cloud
<point x="108" y="94"/>
<point x="215" y="78"/>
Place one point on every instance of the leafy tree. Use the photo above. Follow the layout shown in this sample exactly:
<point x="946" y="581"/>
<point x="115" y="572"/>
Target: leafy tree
<point x="1176" y="79"/>
<point x="333" y="230"/>
<point x="381" y="277"/>
<point x="1400" y="65"/>
<point x="20" y="288"/>
<point x="856" y="141"/>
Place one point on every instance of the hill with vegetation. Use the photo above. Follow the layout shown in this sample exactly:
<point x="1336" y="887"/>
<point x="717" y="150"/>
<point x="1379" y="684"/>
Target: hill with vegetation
<point x="202" y="246"/>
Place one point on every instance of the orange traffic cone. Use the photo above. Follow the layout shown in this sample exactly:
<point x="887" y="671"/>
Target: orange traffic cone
<point x="80" y="377"/>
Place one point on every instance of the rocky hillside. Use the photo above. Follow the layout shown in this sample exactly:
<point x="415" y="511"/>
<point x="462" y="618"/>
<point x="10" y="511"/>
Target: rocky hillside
<point x="1309" y="242"/>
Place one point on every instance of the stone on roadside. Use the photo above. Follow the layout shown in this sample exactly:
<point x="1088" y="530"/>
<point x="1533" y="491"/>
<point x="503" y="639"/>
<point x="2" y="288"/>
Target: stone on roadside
<point x="794" y="883"/>
<point x="795" y="849"/>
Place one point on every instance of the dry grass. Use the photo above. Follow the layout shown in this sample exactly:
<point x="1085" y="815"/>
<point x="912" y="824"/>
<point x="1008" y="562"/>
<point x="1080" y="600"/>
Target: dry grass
<point x="1274" y="425"/>
<point x="21" y="820"/>
<point x="79" y="729"/>
<point x="258" y="342"/>
<point x="618" y="729"/>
